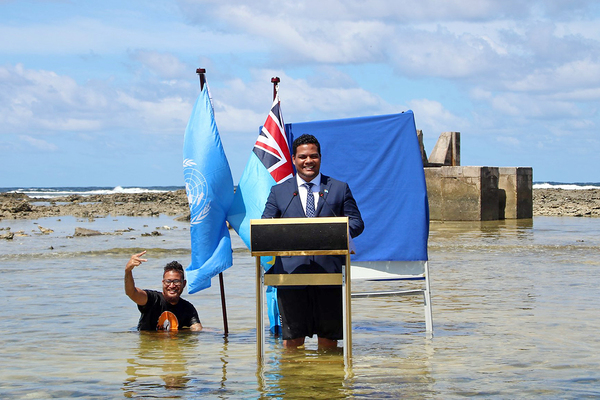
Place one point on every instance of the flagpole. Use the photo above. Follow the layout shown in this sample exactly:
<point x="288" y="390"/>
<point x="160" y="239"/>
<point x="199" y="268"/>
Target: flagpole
<point x="275" y="81"/>
<point x="201" y="72"/>
<point x="223" y="305"/>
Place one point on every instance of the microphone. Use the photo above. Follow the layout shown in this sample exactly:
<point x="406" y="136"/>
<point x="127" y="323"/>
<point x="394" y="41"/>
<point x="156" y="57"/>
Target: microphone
<point x="290" y="202"/>
<point x="321" y="195"/>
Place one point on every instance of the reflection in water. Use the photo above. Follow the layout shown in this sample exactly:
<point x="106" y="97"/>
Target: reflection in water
<point x="224" y="359"/>
<point x="172" y="364"/>
<point x="161" y="355"/>
<point x="304" y="373"/>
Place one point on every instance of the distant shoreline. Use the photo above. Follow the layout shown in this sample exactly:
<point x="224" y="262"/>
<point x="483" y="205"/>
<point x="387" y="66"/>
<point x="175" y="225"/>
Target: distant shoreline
<point x="546" y="202"/>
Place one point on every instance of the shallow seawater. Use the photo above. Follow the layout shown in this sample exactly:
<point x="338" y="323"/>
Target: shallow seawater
<point x="515" y="307"/>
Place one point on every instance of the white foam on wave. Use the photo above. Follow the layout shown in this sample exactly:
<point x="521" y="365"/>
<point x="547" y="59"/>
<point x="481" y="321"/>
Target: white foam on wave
<point x="60" y="192"/>
<point x="565" y="186"/>
<point x="120" y="189"/>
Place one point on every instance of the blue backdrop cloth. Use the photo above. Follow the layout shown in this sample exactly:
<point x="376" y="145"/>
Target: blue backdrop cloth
<point x="379" y="157"/>
<point x="209" y="188"/>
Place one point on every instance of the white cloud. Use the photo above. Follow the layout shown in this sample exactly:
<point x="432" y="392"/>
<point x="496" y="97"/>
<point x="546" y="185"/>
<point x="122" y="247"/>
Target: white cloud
<point x="488" y="42"/>
<point x="433" y="118"/>
<point x="414" y="11"/>
<point x="42" y="102"/>
<point x="38" y="144"/>
<point x="239" y="120"/>
<point x="573" y="75"/>
<point x="165" y="65"/>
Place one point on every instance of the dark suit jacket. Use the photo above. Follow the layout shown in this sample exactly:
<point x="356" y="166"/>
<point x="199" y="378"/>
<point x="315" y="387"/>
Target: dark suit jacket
<point x="336" y="201"/>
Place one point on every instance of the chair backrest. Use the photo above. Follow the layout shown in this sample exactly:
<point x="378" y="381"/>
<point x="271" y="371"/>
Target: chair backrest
<point x="388" y="270"/>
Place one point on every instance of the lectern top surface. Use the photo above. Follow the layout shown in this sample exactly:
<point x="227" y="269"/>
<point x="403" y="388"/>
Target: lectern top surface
<point x="316" y="220"/>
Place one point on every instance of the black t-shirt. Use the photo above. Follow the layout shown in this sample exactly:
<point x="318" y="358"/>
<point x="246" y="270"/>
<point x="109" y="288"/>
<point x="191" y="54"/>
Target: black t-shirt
<point x="158" y="314"/>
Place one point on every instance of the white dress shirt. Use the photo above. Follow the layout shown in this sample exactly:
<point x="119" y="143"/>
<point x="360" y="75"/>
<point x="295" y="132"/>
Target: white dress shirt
<point x="316" y="187"/>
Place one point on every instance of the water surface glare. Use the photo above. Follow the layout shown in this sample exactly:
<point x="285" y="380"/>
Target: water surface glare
<point x="515" y="307"/>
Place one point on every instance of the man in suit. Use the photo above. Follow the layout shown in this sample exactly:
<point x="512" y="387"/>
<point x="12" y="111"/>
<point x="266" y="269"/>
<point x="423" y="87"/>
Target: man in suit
<point x="311" y="309"/>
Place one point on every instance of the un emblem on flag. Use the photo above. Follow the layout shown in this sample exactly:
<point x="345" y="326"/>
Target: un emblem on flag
<point x="196" y="189"/>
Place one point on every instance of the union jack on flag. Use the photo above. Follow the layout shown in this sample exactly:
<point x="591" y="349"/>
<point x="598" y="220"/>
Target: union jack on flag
<point x="272" y="147"/>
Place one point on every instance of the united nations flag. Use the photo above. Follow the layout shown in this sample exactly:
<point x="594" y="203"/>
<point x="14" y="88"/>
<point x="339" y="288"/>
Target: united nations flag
<point x="209" y="188"/>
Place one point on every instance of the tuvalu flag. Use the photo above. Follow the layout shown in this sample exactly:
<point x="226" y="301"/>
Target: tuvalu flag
<point x="270" y="163"/>
<point x="209" y="189"/>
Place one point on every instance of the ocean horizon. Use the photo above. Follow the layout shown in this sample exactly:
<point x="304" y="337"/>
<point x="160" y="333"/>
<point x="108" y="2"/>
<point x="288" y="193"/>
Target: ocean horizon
<point x="58" y="191"/>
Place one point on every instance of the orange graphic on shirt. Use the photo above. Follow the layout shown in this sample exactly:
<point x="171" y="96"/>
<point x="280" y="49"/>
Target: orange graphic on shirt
<point x="167" y="322"/>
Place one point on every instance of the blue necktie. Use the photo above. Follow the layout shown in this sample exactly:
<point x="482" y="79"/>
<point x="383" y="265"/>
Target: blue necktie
<point x="310" y="201"/>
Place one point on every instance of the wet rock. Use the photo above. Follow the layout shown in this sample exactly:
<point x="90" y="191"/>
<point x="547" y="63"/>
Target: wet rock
<point x="17" y="205"/>
<point x="7" y="236"/>
<point x="21" y="207"/>
<point x="86" y="232"/>
<point x="568" y="203"/>
<point x="183" y="218"/>
<point x="154" y="233"/>
<point x="13" y="196"/>
<point x="124" y="230"/>
<point x="45" y="231"/>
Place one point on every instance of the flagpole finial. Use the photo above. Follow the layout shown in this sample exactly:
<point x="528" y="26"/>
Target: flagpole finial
<point x="201" y="72"/>
<point x="275" y="81"/>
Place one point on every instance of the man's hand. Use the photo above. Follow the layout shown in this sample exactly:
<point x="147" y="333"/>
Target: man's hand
<point x="135" y="260"/>
<point x="197" y="327"/>
<point x="139" y="296"/>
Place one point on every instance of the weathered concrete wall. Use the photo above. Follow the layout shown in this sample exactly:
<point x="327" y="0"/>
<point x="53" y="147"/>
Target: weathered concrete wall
<point x="446" y="150"/>
<point x="479" y="193"/>
<point x="515" y="191"/>
<point x="462" y="193"/>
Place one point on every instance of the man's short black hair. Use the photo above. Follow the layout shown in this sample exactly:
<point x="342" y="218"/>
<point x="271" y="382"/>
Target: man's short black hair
<point x="174" y="266"/>
<point x="305" y="139"/>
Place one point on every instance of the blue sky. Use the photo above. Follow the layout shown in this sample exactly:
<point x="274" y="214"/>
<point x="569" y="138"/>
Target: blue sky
<point x="99" y="93"/>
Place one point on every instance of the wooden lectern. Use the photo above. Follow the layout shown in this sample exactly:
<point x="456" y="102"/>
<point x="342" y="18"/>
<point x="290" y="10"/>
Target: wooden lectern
<point x="300" y="237"/>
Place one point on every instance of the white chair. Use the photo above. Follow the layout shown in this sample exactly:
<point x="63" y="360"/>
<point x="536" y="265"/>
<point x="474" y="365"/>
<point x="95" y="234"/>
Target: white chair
<point x="392" y="272"/>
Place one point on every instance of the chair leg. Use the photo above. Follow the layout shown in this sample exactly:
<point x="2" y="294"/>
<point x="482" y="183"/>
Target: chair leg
<point x="427" y="302"/>
<point x="428" y="313"/>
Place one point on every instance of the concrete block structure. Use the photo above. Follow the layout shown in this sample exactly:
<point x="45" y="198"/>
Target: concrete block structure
<point x="515" y="192"/>
<point x="466" y="193"/>
<point x="462" y="193"/>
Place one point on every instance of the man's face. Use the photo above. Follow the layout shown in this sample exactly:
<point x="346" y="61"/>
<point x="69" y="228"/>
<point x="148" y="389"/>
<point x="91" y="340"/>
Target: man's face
<point x="307" y="161"/>
<point x="173" y="285"/>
